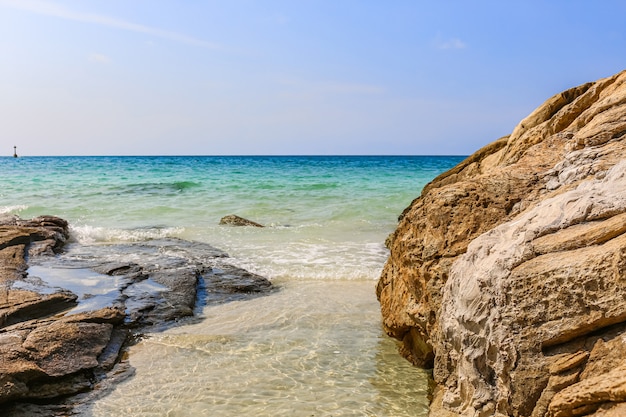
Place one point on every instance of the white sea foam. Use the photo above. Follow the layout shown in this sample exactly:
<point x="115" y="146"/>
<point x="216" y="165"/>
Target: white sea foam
<point x="316" y="261"/>
<point x="12" y="209"/>
<point x="87" y="234"/>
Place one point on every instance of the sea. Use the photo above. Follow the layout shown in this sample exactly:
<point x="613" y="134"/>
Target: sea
<point x="313" y="347"/>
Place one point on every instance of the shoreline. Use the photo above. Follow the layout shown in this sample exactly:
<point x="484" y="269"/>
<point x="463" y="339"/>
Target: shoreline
<point x="49" y="354"/>
<point x="313" y="348"/>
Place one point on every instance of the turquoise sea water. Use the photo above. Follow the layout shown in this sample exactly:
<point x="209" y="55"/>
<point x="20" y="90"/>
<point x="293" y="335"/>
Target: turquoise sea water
<point x="313" y="348"/>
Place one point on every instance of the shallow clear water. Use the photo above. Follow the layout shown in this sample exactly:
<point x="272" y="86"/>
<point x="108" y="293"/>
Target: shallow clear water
<point x="323" y="355"/>
<point x="312" y="348"/>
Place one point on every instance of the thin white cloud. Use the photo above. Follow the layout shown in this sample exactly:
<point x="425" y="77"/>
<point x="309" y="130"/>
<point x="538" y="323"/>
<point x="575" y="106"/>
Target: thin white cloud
<point x="99" y="58"/>
<point x="56" y="10"/>
<point x="452" y="43"/>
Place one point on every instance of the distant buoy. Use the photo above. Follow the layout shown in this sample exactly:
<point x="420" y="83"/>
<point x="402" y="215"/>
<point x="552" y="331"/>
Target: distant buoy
<point x="15" y="152"/>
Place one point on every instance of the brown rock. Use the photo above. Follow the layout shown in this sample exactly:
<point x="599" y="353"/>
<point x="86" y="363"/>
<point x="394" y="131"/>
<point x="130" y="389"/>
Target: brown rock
<point x="21" y="305"/>
<point x="43" y="356"/>
<point x="234" y="220"/>
<point x="53" y="347"/>
<point x="611" y="410"/>
<point x="605" y="356"/>
<point x="49" y="349"/>
<point x="509" y="271"/>
<point x="587" y="396"/>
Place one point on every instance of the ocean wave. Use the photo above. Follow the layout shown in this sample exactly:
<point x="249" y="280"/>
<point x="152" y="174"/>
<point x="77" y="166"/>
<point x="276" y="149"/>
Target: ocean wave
<point x="12" y="209"/>
<point x="304" y="272"/>
<point x="93" y="234"/>
<point x="311" y="261"/>
<point x="156" y="187"/>
<point x="317" y="186"/>
<point x="183" y="185"/>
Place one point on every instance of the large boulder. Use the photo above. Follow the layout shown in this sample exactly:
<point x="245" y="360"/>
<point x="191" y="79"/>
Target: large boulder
<point x="508" y="274"/>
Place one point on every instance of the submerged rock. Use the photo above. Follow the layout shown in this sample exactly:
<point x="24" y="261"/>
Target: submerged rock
<point x="234" y="220"/>
<point x="508" y="274"/>
<point x="65" y="317"/>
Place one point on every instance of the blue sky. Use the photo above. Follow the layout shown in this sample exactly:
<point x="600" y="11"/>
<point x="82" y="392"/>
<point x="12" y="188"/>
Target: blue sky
<point x="130" y="77"/>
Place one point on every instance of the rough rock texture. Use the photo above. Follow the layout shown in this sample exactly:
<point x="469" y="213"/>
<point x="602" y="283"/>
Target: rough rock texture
<point x="55" y="343"/>
<point x="37" y="345"/>
<point x="234" y="220"/>
<point x="508" y="274"/>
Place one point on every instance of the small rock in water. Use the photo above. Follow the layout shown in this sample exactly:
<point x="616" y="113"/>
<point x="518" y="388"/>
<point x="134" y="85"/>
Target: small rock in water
<point x="234" y="220"/>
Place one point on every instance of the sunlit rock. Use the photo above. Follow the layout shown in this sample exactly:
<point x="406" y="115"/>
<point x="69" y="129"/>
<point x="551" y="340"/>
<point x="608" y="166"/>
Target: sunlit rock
<point x="509" y="271"/>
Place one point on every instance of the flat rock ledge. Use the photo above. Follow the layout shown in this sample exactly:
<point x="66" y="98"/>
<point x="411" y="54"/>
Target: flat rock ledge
<point x="57" y="342"/>
<point x="507" y="276"/>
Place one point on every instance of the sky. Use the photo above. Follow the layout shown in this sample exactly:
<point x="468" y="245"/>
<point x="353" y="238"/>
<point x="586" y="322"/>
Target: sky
<point x="290" y="77"/>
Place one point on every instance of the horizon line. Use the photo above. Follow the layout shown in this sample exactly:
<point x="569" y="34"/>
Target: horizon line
<point x="230" y="155"/>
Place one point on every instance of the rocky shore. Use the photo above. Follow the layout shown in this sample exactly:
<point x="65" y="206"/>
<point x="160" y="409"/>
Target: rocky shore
<point x="67" y="311"/>
<point x="507" y="276"/>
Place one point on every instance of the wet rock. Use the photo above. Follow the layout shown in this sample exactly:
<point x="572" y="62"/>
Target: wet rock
<point x="507" y="274"/>
<point x="52" y="346"/>
<point x="59" y="337"/>
<point x="234" y="220"/>
<point x="161" y="280"/>
<point x="21" y="305"/>
<point x="228" y="283"/>
<point x="50" y="357"/>
<point x="17" y="238"/>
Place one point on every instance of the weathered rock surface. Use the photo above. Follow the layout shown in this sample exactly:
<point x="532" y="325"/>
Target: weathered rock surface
<point x="234" y="220"/>
<point x="58" y="337"/>
<point x="508" y="274"/>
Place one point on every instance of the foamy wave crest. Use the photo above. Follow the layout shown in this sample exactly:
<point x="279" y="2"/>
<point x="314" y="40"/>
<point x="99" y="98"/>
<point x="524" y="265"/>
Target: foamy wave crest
<point x="345" y="261"/>
<point x="12" y="209"/>
<point x="93" y="234"/>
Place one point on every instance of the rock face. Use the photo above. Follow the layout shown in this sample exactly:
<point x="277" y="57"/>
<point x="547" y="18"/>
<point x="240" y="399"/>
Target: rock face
<point x="508" y="274"/>
<point x="55" y="342"/>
